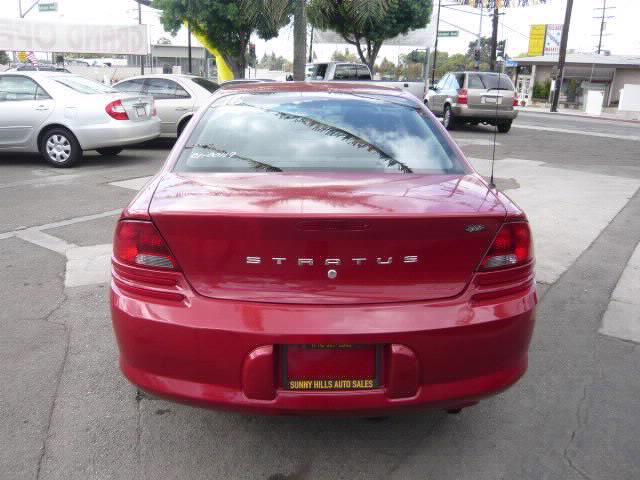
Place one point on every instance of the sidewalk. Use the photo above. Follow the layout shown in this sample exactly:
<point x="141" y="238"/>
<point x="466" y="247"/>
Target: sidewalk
<point x="607" y="113"/>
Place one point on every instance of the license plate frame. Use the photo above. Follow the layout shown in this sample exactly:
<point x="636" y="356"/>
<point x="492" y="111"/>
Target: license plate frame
<point x="491" y="100"/>
<point x="141" y="111"/>
<point x="376" y="381"/>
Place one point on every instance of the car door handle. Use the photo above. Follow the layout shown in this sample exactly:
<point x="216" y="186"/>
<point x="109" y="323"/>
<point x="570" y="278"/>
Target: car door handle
<point x="41" y="107"/>
<point x="181" y="109"/>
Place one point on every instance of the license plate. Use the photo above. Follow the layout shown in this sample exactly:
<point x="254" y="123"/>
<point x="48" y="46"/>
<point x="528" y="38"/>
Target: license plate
<point x="490" y="100"/>
<point x="318" y="367"/>
<point x="141" y="111"/>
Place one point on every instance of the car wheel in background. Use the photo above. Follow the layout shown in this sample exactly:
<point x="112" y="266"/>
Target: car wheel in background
<point x="504" y="127"/>
<point x="182" y="125"/>
<point x="109" y="151"/>
<point x="449" y="120"/>
<point x="60" y="148"/>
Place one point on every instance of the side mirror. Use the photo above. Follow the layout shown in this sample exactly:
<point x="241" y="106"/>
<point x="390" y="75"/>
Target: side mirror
<point x="289" y="78"/>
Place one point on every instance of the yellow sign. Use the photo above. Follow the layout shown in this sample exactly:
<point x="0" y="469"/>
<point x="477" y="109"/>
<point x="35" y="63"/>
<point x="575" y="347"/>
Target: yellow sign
<point x="537" y="37"/>
<point x="23" y="57"/>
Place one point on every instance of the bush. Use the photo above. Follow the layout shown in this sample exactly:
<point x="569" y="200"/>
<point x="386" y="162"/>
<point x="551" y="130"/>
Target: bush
<point x="542" y="90"/>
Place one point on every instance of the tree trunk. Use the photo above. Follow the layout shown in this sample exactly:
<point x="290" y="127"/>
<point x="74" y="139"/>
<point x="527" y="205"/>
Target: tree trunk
<point x="299" y="40"/>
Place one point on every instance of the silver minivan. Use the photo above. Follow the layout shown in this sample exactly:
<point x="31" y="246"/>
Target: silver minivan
<point x="474" y="97"/>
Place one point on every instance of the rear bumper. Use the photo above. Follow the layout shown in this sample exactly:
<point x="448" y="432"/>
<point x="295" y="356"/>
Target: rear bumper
<point x="225" y="354"/>
<point x="116" y="133"/>
<point x="464" y="111"/>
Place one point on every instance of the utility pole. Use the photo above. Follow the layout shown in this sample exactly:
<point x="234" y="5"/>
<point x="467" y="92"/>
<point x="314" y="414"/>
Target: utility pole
<point x="311" y="46"/>
<point x="494" y="37"/>
<point x="140" y="23"/>
<point x="189" y="65"/>
<point x="479" y="47"/>
<point x="603" y="22"/>
<point x="563" y="55"/>
<point x="435" y="47"/>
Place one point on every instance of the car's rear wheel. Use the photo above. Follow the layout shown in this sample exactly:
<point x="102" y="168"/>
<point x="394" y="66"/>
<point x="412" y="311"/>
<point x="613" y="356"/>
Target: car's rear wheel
<point x="60" y="147"/>
<point x="109" y="151"/>
<point x="449" y="120"/>
<point x="504" y="127"/>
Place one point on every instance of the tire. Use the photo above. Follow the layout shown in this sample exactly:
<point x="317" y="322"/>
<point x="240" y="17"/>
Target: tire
<point x="60" y="147"/>
<point x="504" y="127"/>
<point x="182" y="126"/>
<point x="448" y="120"/>
<point x="109" y="151"/>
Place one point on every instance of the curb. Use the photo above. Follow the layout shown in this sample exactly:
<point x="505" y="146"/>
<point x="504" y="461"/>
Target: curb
<point x="592" y="117"/>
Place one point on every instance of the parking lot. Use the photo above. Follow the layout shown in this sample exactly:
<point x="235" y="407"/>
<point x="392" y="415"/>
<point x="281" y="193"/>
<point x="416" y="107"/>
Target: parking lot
<point x="66" y="412"/>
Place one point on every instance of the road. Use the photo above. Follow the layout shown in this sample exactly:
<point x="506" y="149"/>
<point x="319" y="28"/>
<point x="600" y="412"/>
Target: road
<point x="67" y="413"/>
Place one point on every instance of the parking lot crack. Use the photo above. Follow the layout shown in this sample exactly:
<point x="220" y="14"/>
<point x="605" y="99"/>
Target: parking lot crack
<point x="56" y="392"/>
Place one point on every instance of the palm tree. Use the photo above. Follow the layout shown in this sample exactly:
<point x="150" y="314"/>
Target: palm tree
<point x="299" y="39"/>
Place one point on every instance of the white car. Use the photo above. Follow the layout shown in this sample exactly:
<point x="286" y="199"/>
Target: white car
<point x="60" y="115"/>
<point x="176" y="97"/>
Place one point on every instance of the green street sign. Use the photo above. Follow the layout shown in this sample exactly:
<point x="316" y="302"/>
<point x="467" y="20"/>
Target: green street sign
<point x="448" y="33"/>
<point x="48" y="7"/>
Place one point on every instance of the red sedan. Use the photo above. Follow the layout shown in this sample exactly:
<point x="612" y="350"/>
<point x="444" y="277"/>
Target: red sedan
<point x="321" y="249"/>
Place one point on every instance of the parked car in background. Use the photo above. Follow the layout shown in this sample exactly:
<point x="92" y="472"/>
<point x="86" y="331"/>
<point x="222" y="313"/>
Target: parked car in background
<point x="60" y="115"/>
<point x="321" y="248"/>
<point x="27" y="67"/>
<point x="176" y="97"/>
<point x="474" y="97"/>
<point x="358" y="72"/>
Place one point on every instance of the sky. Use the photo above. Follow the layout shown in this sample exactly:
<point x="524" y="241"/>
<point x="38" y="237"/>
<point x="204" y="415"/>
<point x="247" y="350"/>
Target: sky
<point x="623" y="35"/>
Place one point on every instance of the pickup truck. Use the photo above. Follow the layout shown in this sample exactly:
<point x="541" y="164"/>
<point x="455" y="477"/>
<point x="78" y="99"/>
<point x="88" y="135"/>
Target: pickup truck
<point x="357" y="72"/>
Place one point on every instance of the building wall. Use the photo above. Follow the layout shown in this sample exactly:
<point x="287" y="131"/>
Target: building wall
<point x="623" y="76"/>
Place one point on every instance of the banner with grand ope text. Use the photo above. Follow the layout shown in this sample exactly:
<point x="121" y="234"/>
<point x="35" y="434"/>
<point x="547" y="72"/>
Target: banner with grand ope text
<point x="28" y="35"/>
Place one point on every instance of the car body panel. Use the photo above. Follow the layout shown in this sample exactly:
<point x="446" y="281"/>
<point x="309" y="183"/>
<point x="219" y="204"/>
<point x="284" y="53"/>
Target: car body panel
<point x="83" y="114"/>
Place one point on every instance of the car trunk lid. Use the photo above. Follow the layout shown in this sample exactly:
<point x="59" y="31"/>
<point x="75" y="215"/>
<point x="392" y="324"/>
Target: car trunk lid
<point x="326" y="238"/>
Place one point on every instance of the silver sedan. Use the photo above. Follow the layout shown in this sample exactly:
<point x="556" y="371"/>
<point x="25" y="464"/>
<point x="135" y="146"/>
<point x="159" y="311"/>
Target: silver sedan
<point x="60" y="115"/>
<point x="177" y="97"/>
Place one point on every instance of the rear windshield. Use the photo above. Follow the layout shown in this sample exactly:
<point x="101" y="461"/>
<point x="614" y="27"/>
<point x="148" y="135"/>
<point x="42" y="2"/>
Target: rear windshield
<point x="492" y="81"/>
<point x="206" y="84"/>
<point x="83" y="85"/>
<point x="283" y="132"/>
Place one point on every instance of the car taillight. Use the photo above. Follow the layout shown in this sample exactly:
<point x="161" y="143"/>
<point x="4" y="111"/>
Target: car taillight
<point x="463" y="96"/>
<point x="511" y="247"/>
<point x="116" y="110"/>
<point x="139" y="243"/>
<point x="516" y="102"/>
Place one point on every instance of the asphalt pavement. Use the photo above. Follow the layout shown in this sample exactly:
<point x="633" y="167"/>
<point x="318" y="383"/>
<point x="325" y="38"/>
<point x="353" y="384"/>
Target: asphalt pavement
<point x="67" y="413"/>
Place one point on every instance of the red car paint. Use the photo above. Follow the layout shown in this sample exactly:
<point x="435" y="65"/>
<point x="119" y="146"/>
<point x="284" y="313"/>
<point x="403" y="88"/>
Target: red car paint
<point x="217" y="331"/>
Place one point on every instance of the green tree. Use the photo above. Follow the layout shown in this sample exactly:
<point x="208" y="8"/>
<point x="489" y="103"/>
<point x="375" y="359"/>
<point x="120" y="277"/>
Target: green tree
<point x="366" y="24"/>
<point x="485" y="50"/>
<point x="4" y="58"/>
<point x="228" y="25"/>
<point x="346" y="56"/>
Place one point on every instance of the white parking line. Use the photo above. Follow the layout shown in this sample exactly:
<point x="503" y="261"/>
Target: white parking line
<point x="633" y="138"/>
<point x="62" y="223"/>
<point x="132" y="183"/>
